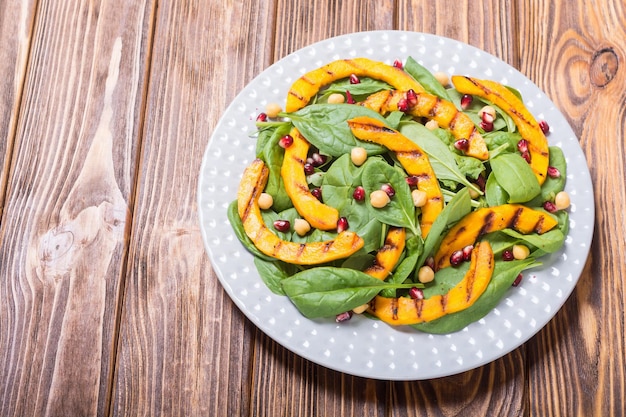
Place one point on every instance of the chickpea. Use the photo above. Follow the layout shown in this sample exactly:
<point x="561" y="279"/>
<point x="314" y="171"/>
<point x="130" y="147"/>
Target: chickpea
<point x="360" y="309"/>
<point x="272" y="110"/>
<point x="336" y="98"/>
<point x="301" y="227"/>
<point x="443" y="78"/>
<point x="425" y="274"/>
<point x="520" y="252"/>
<point x="265" y="201"/>
<point x="432" y="124"/>
<point x="379" y="199"/>
<point x="473" y="194"/>
<point x="419" y="198"/>
<point x="358" y="155"/>
<point x="562" y="200"/>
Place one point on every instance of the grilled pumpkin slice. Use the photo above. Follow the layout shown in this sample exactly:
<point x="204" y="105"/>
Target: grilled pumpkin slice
<point x="413" y="159"/>
<point x="490" y="219"/>
<point x="388" y="255"/>
<point x="528" y="127"/>
<point x="432" y="107"/>
<point x="405" y="310"/>
<point x="318" y="214"/>
<point x="250" y="188"/>
<point x="304" y="88"/>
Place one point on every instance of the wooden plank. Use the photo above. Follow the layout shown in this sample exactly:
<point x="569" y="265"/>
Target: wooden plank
<point x="16" y="26"/>
<point x="65" y="228"/>
<point x="184" y="347"/>
<point x="578" y="60"/>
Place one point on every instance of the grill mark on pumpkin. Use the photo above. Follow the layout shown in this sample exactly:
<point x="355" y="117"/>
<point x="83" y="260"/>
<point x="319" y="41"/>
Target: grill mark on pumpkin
<point x="301" y="249"/>
<point x="394" y="308"/>
<point x="435" y="109"/>
<point x="454" y="120"/>
<point x="515" y="218"/>
<point x="413" y="154"/>
<point x="487" y="224"/>
<point x="539" y="225"/>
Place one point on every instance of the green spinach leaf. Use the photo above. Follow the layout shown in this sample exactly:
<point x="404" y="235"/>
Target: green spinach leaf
<point x="516" y="177"/>
<point x="425" y="78"/>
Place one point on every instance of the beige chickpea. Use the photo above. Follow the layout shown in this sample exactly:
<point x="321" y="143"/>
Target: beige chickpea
<point x="562" y="200"/>
<point x="301" y="227"/>
<point x="265" y="201"/>
<point x="419" y="198"/>
<point x="443" y="78"/>
<point x="432" y="124"/>
<point x="358" y="155"/>
<point x="272" y="110"/>
<point x="336" y="98"/>
<point x="425" y="274"/>
<point x="520" y="252"/>
<point x="360" y="309"/>
<point x="379" y="199"/>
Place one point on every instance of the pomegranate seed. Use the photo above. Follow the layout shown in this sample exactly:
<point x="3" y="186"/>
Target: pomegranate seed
<point x="518" y="280"/>
<point x="549" y="206"/>
<point x="354" y="79"/>
<point x="317" y="193"/>
<point x="462" y="144"/>
<point x="526" y="156"/>
<point x="286" y="141"/>
<point x="343" y="317"/>
<point x="309" y="169"/>
<point x="545" y="127"/>
<point x="430" y="261"/>
<point x="388" y="189"/>
<point x="553" y="172"/>
<point x="416" y="293"/>
<point x="507" y="255"/>
<point x="318" y="159"/>
<point x="481" y="182"/>
<point x="457" y="258"/>
<point x="522" y="145"/>
<point x="359" y="193"/>
<point x="349" y="98"/>
<point x="486" y="126"/>
<point x="282" y="225"/>
<point x="466" y="101"/>
<point x="411" y="98"/>
<point x="403" y="105"/>
<point x="467" y="252"/>
<point x="412" y="180"/>
<point x="398" y="64"/>
<point x="342" y="224"/>
<point x="487" y="117"/>
<point x="262" y="117"/>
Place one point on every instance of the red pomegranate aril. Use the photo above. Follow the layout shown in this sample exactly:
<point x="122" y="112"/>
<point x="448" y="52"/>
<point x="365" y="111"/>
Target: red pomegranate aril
<point x="466" y="101"/>
<point x="286" y="141"/>
<point x="317" y="193"/>
<point x="262" y="117"/>
<point x="553" y="172"/>
<point x="430" y="261"/>
<point x="526" y="156"/>
<point x="354" y="79"/>
<point x="403" y="105"/>
<point x="345" y="316"/>
<point x="349" y="98"/>
<point x="462" y="144"/>
<point x="481" y="182"/>
<point x="467" y="252"/>
<point x="282" y="225"/>
<point x="318" y="159"/>
<point x="522" y="145"/>
<point x="487" y="117"/>
<point x="398" y="64"/>
<point x="457" y="258"/>
<point x="388" y="189"/>
<point x="544" y="126"/>
<point x="342" y="224"/>
<point x="486" y="126"/>
<point x="507" y="255"/>
<point x="411" y="98"/>
<point x="416" y="293"/>
<point x="412" y="180"/>
<point x="309" y="169"/>
<point x="518" y="280"/>
<point x="359" y="193"/>
<point x="549" y="206"/>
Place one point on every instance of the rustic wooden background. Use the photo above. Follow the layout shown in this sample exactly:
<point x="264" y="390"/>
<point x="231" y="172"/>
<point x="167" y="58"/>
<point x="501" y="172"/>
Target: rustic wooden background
<point x="108" y="303"/>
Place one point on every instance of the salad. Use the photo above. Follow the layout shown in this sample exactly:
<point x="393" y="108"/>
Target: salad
<point x="407" y="196"/>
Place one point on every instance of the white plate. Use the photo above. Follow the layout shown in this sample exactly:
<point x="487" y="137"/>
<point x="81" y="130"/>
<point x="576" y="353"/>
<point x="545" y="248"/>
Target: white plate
<point x="361" y="346"/>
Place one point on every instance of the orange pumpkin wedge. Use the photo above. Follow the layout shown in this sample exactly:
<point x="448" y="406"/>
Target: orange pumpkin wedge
<point x="405" y="310"/>
<point x="304" y="88"/>
<point x="528" y="127"/>
<point x="388" y="255"/>
<point x="318" y="214"/>
<point x="250" y="188"/>
<point x="413" y="159"/>
<point x="490" y="219"/>
<point x="432" y="107"/>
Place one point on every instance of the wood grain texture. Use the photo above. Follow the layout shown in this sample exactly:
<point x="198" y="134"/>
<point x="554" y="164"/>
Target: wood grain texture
<point x="16" y="26"/>
<point x="577" y="366"/>
<point x="185" y="349"/>
<point x="63" y="247"/>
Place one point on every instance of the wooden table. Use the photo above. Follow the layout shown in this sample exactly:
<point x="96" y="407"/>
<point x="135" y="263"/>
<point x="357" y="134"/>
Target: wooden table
<point x="108" y="303"/>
